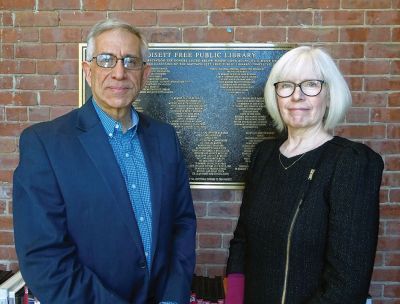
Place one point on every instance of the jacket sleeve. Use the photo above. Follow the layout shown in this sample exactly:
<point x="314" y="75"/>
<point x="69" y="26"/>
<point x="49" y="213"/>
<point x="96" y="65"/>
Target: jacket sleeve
<point x="353" y="227"/>
<point x="183" y="258"/>
<point x="47" y="256"/>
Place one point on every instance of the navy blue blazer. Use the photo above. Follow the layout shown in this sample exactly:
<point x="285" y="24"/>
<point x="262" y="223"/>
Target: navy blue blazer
<point x="76" y="236"/>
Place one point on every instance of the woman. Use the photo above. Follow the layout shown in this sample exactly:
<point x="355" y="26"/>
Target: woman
<point x="308" y="224"/>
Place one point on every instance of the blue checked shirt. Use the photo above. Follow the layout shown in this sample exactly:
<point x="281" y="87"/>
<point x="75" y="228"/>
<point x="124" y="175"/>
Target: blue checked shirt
<point x="129" y="155"/>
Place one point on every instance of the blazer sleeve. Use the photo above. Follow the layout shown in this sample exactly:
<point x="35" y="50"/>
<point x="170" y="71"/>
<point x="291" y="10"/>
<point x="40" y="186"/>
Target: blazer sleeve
<point x="353" y="227"/>
<point x="183" y="259"/>
<point x="47" y="256"/>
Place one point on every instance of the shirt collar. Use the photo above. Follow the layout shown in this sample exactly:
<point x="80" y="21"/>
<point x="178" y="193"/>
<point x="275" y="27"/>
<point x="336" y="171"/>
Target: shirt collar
<point x="111" y="125"/>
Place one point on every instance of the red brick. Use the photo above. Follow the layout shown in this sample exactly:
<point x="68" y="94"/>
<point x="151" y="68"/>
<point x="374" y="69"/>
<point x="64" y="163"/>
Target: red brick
<point x="383" y="17"/>
<point x="102" y="5"/>
<point x="244" y="18"/>
<point x="361" y="132"/>
<point x="214" y="225"/>
<point x="393" y="228"/>
<point x="226" y="238"/>
<point x="377" y="83"/>
<point x="388" y="275"/>
<point x="29" y="18"/>
<point x="385" y="146"/>
<point x="17" y="67"/>
<point x="7" y="51"/>
<point x="203" y="34"/>
<point x="360" y="115"/>
<point x="8" y="253"/>
<point x="16" y="114"/>
<point x="396" y="35"/>
<point x="17" y="5"/>
<point x="200" y="209"/>
<point x="388" y="243"/>
<point x="6" y="176"/>
<point x="6" y="98"/>
<point x="357" y="67"/>
<point x="286" y="18"/>
<point x="182" y="18"/>
<point x="366" y="4"/>
<point x="11" y="129"/>
<point x="394" y="197"/>
<point x="8" y="162"/>
<point x="58" y="4"/>
<point x="210" y="241"/>
<point x="392" y="163"/>
<point x="344" y="51"/>
<point x="67" y="82"/>
<point x="376" y="290"/>
<point x="6" y="237"/>
<point x="370" y="99"/>
<point x="144" y="18"/>
<point x="365" y="34"/>
<point x="209" y="4"/>
<point x="205" y="256"/>
<point x="49" y="67"/>
<point x="6" y="19"/>
<point x="391" y="291"/>
<point x="223" y="209"/>
<point x="164" y="35"/>
<point x="14" y="35"/>
<point x="60" y="35"/>
<point x="393" y="131"/>
<point x="36" y="51"/>
<point x="216" y="270"/>
<point x="261" y="4"/>
<point x="42" y="82"/>
<point x="59" y="98"/>
<point x="158" y="4"/>
<point x="67" y="51"/>
<point x="68" y="18"/>
<point x="354" y="83"/>
<point x="6" y="82"/>
<point x="59" y="111"/>
<point x="378" y="259"/>
<point x="39" y="114"/>
<point x="201" y="195"/>
<point x="8" y="145"/>
<point x="23" y="98"/>
<point x="3" y="207"/>
<point x="336" y="17"/>
<point x="320" y="4"/>
<point x="262" y="35"/>
<point x="385" y="115"/>
<point x="382" y="50"/>
<point x="389" y="211"/>
<point x="392" y="259"/>
<point x="395" y="67"/>
<point x="313" y="34"/>
<point x="391" y="179"/>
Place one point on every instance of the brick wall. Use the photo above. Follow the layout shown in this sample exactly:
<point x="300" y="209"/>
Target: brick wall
<point x="39" y="81"/>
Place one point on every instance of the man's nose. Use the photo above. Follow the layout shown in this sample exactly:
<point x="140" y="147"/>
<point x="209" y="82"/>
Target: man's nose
<point x="118" y="72"/>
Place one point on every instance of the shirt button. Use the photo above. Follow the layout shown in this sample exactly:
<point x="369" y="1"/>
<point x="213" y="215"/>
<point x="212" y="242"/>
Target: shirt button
<point x="110" y="134"/>
<point x="126" y="154"/>
<point x="116" y="126"/>
<point x="146" y="254"/>
<point x="133" y="186"/>
<point x="142" y="265"/>
<point x="141" y="218"/>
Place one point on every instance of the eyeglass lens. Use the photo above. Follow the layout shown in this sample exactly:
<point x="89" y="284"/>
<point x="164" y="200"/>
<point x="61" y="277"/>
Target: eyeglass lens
<point x="308" y="87"/>
<point x="109" y="61"/>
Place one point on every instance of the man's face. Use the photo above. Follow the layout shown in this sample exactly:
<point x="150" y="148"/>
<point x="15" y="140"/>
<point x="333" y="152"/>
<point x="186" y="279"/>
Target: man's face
<point x="115" y="89"/>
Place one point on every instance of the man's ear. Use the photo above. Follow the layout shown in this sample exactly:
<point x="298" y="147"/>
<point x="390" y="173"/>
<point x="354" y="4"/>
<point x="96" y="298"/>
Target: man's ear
<point x="146" y="74"/>
<point x="88" y="72"/>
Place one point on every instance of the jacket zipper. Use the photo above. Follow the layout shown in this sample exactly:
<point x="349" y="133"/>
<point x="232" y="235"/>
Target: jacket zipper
<point x="289" y="239"/>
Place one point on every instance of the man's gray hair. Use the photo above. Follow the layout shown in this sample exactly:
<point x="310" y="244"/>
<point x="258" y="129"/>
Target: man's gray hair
<point x="112" y="24"/>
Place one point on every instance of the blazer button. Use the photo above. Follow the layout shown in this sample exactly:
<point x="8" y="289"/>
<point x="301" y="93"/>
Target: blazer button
<point x="142" y="265"/>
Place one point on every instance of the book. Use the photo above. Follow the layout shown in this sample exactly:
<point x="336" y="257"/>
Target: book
<point x="11" y="284"/>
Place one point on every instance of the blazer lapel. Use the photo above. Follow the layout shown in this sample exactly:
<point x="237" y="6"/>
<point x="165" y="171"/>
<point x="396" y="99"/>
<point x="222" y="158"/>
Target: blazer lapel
<point x="151" y="151"/>
<point x="94" y="140"/>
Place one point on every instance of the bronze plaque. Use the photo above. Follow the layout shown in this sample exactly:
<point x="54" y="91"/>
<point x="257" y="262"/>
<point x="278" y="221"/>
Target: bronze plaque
<point x="213" y="95"/>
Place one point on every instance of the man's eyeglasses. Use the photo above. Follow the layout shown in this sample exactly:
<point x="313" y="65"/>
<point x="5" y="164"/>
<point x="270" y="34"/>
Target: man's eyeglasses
<point x="110" y="61"/>
<point x="308" y="87"/>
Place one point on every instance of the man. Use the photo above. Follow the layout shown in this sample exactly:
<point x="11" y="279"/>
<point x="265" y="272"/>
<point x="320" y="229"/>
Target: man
<point x="102" y="206"/>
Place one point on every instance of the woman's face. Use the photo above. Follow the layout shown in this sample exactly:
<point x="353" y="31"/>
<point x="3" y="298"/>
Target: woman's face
<point x="300" y="111"/>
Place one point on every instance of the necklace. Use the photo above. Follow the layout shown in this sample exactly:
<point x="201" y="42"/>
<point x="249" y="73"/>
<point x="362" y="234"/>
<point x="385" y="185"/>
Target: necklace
<point x="292" y="164"/>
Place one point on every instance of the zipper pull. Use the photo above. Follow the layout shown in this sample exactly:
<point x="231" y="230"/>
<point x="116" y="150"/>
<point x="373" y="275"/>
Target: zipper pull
<point x="310" y="176"/>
